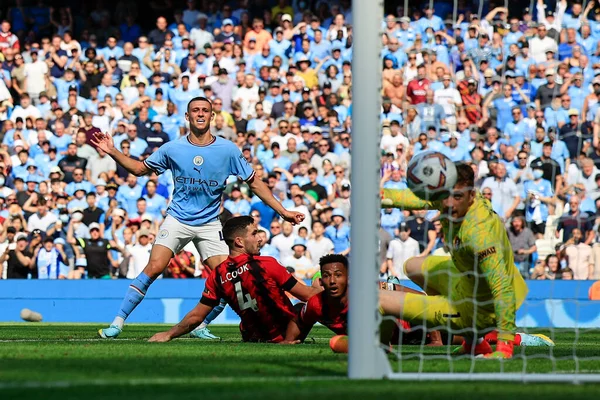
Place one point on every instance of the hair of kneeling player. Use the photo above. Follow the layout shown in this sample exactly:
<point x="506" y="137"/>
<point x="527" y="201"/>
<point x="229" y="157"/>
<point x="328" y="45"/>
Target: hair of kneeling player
<point x="236" y="227"/>
<point x="333" y="258"/>
<point x="465" y="175"/>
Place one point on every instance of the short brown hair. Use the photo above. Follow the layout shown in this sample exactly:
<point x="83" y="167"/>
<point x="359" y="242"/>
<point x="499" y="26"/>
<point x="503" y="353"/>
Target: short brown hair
<point x="465" y="175"/>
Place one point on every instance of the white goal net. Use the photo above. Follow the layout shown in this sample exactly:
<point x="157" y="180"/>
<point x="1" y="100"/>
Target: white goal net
<point x="513" y="93"/>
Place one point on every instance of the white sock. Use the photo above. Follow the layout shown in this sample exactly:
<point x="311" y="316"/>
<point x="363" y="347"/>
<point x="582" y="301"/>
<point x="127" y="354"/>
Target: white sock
<point x="119" y="322"/>
<point x="201" y="326"/>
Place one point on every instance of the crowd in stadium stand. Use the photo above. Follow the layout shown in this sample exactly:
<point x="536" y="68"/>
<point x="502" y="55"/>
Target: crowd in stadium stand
<point x="517" y="96"/>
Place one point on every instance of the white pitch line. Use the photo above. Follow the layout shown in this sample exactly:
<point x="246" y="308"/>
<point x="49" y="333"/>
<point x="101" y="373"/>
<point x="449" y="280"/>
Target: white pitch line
<point x="158" y="381"/>
<point x="122" y="340"/>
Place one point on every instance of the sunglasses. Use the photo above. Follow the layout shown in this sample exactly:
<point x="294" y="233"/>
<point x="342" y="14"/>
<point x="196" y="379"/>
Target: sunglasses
<point x="522" y="158"/>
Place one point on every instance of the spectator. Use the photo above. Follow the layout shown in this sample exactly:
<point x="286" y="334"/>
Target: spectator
<point x="181" y="266"/>
<point x="284" y="241"/>
<point x="96" y="251"/>
<point x="579" y="256"/>
<point x="339" y="233"/>
<point x="506" y="197"/>
<point x="301" y="264"/>
<point x="400" y="250"/>
<point x="575" y="219"/>
<point x="50" y="259"/>
<point x="523" y="244"/>
<point x="139" y="253"/>
<point x="18" y="258"/>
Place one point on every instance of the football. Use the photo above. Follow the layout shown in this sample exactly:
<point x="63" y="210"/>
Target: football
<point x="431" y="175"/>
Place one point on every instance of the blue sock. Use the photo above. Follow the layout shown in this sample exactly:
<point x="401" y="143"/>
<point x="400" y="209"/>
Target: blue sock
<point x="214" y="313"/>
<point x="134" y="296"/>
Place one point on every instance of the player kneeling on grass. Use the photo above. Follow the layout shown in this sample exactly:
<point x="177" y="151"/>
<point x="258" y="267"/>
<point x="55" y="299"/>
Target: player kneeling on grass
<point x="478" y="287"/>
<point x="330" y="307"/>
<point x="252" y="285"/>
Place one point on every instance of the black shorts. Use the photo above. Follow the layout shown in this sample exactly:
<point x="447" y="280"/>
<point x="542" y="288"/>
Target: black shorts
<point x="537" y="228"/>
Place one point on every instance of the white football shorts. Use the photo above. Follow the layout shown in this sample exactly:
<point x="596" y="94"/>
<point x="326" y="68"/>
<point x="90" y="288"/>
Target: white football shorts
<point x="208" y="238"/>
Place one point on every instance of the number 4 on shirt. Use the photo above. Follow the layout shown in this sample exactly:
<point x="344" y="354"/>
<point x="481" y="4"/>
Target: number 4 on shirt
<point x="244" y="300"/>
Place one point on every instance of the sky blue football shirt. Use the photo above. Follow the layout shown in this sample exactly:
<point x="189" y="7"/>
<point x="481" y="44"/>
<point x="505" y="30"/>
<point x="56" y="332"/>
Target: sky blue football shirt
<point x="199" y="175"/>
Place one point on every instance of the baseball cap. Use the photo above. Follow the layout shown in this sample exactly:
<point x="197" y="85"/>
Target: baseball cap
<point x="94" y="225"/>
<point x="346" y="186"/>
<point x="227" y="21"/>
<point x="405" y="19"/>
<point x="20" y="236"/>
<point x="537" y="164"/>
<point x="117" y="212"/>
<point x="143" y="232"/>
<point x="550" y="71"/>
<point x="573" y="111"/>
<point x="299" y="242"/>
<point x="403" y="227"/>
<point x="337" y="212"/>
<point x="146" y="217"/>
<point x="237" y="187"/>
<point x="488" y="73"/>
<point x="286" y="17"/>
<point x="100" y="182"/>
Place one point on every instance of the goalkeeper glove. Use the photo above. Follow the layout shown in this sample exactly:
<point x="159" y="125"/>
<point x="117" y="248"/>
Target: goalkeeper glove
<point x="504" y="350"/>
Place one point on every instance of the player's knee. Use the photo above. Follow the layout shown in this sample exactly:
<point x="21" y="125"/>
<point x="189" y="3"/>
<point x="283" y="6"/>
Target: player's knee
<point x="154" y="268"/>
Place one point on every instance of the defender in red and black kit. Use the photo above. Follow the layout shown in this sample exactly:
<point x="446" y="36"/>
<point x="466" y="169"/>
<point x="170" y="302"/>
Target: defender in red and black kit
<point x="330" y="308"/>
<point x="252" y="285"/>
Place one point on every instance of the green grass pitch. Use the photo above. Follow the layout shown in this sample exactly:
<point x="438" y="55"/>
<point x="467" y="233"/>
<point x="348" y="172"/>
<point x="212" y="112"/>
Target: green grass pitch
<point x="67" y="361"/>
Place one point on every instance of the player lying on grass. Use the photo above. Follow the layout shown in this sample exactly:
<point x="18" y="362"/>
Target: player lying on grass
<point x="330" y="308"/>
<point x="478" y="288"/>
<point x="252" y="285"/>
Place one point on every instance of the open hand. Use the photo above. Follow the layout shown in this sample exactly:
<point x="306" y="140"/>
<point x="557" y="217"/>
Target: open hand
<point x="104" y="142"/>
<point x="160" y="337"/>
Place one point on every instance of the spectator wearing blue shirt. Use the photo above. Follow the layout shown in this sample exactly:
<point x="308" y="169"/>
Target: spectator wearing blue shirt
<point x="395" y="180"/>
<point x="236" y="204"/>
<point x="79" y="183"/>
<point x="406" y="35"/>
<point x="455" y="152"/>
<point x="138" y="146"/>
<point x="64" y="85"/>
<point x="130" y="30"/>
<point x="429" y="20"/>
<point x="128" y="195"/>
<point x="156" y="205"/>
<point x="339" y="233"/>
<point x="503" y="106"/>
<point x="537" y="194"/>
<point x="111" y="49"/>
<point x="277" y="160"/>
<point x="555" y="115"/>
<point x="390" y="219"/>
<point x="517" y="131"/>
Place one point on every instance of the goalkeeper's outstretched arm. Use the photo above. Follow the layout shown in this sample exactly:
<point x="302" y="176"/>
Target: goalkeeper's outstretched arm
<point x="405" y="199"/>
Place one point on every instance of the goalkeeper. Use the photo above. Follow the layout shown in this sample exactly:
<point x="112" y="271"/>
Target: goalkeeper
<point x="475" y="290"/>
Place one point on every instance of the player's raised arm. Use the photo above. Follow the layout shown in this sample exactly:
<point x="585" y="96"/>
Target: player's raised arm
<point x="105" y="142"/>
<point x="187" y="324"/>
<point x="405" y="199"/>
<point x="259" y="188"/>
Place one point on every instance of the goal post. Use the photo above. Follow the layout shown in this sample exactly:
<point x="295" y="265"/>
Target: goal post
<point x="366" y="359"/>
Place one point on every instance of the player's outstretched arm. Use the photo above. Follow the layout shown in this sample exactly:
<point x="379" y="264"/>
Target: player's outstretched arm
<point x="303" y="292"/>
<point x="405" y="199"/>
<point x="105" y="143"/>
<point x="187" y="324"/>
<point x="259" y="188"/>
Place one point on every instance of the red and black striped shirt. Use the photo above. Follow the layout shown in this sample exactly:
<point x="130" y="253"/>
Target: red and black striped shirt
<point x="254" y="287"/>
